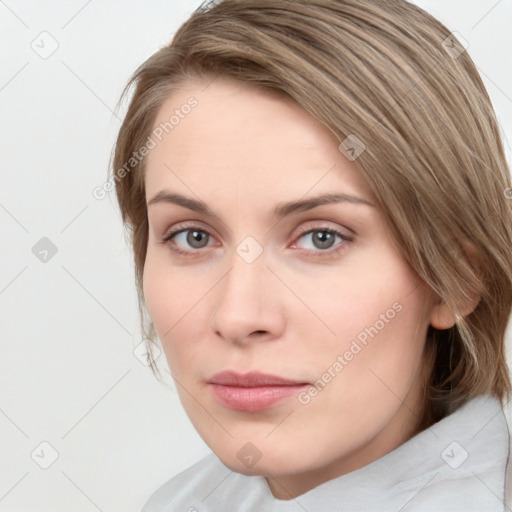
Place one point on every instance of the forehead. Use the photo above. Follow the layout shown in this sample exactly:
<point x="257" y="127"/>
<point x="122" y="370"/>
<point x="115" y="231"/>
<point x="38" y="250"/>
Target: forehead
<point x="244" y="137"/>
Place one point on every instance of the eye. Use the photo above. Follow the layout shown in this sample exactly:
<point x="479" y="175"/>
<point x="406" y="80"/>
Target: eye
<point x="192" y="237"/>
<point x="322" y="241"/>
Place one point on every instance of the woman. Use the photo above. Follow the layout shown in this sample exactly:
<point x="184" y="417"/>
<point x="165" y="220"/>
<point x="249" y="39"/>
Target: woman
<point x="316" y="193"/>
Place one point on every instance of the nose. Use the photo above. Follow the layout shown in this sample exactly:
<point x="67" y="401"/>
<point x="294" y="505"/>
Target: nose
<point x="247" y="302"/>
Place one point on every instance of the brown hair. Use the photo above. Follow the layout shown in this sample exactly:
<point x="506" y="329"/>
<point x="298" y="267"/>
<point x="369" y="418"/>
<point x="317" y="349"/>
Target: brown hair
<point x="394" y="77"/>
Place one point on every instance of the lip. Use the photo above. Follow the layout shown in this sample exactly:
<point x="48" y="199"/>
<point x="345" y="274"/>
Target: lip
<point x="253" y="391"/>
<point x="251" y="379"/>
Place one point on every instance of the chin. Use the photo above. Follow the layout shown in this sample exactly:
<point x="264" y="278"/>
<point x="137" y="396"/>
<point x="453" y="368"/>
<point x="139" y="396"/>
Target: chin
<point x="276" y="463"/>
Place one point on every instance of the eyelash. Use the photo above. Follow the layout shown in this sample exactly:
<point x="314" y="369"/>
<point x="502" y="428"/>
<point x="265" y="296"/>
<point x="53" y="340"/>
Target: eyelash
<point x="327" y="253"/>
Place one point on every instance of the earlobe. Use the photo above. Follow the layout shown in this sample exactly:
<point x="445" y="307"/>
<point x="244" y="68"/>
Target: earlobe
<point x="441" y="316"/>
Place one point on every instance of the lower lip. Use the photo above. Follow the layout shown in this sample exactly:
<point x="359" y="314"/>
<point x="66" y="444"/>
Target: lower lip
<point x="253" y="399"/>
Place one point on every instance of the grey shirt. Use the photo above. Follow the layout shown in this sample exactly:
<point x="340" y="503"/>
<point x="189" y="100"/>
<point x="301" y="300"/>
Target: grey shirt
<point x="458" y="464"/>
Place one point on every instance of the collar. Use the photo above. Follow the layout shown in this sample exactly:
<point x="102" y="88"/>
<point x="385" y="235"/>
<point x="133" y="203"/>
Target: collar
<point x="456" y="464"/>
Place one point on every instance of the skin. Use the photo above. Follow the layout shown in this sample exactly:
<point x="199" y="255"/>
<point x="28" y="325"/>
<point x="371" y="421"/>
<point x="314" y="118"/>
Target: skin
<point x="293" y="310"/>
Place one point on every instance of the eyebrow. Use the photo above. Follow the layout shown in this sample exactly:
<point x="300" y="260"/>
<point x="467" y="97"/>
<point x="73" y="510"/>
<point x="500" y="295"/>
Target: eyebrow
<point x="280" y="211"/>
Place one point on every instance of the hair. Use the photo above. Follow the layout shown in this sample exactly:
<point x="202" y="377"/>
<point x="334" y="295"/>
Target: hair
<point x="394" y="78"/>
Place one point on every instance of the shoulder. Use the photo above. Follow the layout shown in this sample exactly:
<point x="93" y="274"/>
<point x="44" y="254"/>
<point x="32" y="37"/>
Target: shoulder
<point x="185" y="487"/>
<point x="476" y="463"/>
<point x="210" y="486"/>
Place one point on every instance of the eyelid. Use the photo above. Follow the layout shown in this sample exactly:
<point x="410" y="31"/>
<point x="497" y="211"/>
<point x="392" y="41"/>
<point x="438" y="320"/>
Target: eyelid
<point x="187" y="224"/>
<point x="303" y="228"/>
<point x="309" y="227"/>
<point x="320" y="225"/>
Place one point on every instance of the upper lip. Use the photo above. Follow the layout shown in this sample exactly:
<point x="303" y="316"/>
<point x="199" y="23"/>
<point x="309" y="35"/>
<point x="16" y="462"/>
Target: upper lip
<point x="251" y="379"/>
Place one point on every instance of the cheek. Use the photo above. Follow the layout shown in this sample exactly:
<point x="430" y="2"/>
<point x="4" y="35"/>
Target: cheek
<point x="157" y="295"/>
<point x="368" y="299"/>
<point x="174" y="300"/>
<point x="378" y="321"/>
<point x="385" y="368"/>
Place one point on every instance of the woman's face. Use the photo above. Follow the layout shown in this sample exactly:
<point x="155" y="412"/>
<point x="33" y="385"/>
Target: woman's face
<point x="261" y="276"/>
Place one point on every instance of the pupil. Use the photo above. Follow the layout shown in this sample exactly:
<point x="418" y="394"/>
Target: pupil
<point x="194" y="237"/>
<point x="324" y="239"/>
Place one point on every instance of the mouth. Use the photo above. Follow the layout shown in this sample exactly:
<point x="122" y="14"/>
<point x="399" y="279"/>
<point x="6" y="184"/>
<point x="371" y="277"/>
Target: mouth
<point x="253" y="391"/>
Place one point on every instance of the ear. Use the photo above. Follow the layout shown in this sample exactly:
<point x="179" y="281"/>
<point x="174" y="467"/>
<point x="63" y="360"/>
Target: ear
<point x="441" y="316"/>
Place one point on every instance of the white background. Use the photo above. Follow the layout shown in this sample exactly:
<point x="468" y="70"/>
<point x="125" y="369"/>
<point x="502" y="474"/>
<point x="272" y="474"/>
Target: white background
<point x="68" y="375"/>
